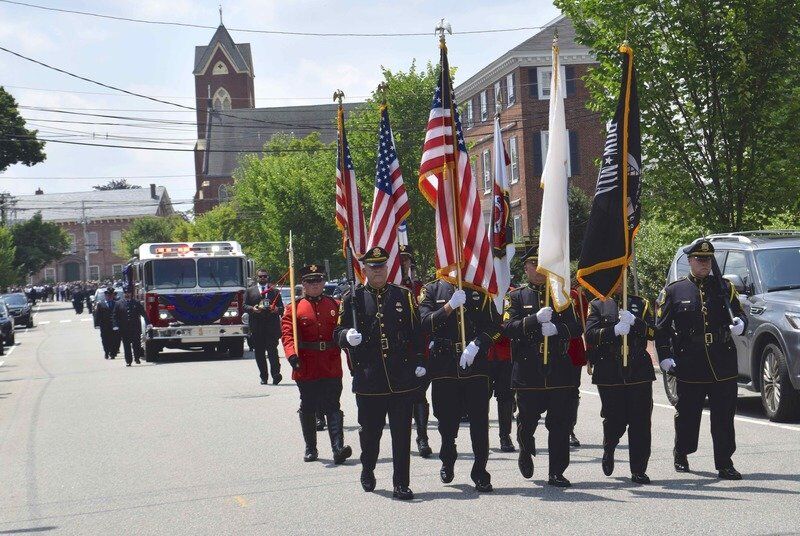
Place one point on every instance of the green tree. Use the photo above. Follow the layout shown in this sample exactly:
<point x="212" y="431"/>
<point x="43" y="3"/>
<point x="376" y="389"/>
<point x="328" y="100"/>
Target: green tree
<point x="656" y="244"/>
<point x="719" y="86"/>
<point x="220" y="223"/>
<point x="146" y="230"/>
<point x="9" y="274"/>
<point x="116" y="184"/>
<point x="290" y="188"/>
<point x="408" y="96"/>
<point x="37" y="243"/>
<point x="18" y="145"/>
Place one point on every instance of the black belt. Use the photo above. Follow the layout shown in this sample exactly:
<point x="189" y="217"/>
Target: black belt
<point x="320" y="346"/>
<point x="457" y="347"/>
<point x="710" y="338"/>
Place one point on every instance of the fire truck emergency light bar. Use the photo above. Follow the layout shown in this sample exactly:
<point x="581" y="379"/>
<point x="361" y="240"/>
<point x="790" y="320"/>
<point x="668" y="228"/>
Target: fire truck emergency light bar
<point x="171" y="250"/>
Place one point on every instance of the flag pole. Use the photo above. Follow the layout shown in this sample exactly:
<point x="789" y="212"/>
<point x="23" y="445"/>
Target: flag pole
<point x="623" y="160"/>
<point x="445" y="170"/>
<point x="546" y="304"/>
<point x="291" y="290"/>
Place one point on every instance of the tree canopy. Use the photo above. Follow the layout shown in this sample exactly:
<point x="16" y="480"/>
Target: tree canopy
<point x="37" y="244"/>
<point x="147" y="230"/>
<point x="18" y="145"/>
<point x="116" y="184"/>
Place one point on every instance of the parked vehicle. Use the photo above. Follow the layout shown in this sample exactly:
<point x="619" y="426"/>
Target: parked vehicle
<point x="6" y="327"/>
<point x="19" y="308"/>
<point x="764" y="267"/>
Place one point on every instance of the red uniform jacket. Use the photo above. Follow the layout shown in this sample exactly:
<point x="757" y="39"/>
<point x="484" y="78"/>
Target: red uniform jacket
<point x="577" y="347"/>
<point x="316" y="321"/>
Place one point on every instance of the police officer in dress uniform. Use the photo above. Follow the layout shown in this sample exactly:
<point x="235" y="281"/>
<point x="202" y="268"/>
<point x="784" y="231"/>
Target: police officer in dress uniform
<point x="386" y="356"/>
<point x="541" y="388"/>
<point x="316" y="363"/>
<point x="102" y="321"/>
<point x="694" y="342"/>
<point x="125" y="319"/>
<point x="626" y="393"/>
<point x="421" y="406"/>
<point x="459" y="375"/>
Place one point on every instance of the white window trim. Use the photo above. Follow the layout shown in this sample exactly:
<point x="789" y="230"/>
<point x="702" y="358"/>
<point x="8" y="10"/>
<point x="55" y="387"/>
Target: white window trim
<point x="470" y="114"/>
<point x="114" y="271"/>
<point x="517" y="227"/>
<point x="487" y="171"/>
<point x="50" y="273"/>
<point x="92" y="245"/>
<point x="544" y="81"/>
<point x="513" y="153"/>
<point x="545" y="138"/>
<point x="91" y="268"/>
<point x="72" y="248"/>
<point x="223" y="97"/>
<point x="484" y="107"/>
<point x="219" y="68"/>
<point x="511" y="90"/>
<point x="498" y="95"/>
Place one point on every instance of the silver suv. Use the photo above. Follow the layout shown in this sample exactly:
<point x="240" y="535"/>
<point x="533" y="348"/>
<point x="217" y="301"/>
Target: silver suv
<point x="764" y="266"/>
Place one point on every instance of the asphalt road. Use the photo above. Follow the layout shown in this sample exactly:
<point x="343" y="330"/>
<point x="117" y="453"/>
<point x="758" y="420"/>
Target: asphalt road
<point x="194" y="445"/>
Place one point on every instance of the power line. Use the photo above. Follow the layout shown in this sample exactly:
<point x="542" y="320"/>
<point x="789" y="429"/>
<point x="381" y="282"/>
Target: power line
<point x="268" y="32"/>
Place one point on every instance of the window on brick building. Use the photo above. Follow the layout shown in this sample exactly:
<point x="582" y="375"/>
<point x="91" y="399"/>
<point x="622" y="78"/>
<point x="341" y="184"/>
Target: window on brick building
<point x="517" y="227"/>
<point x="487" y="171"/>
<point x="544" y="74"/>
<point x="220" y="68"/>
<point x="513" y="154"/>
<point x="224" y="193"/>
<point x="94" y="272"/>
<point x="116" y="238"/>
<point x="484" y="109"/>
<point x="222" y="99"/>
<point x="50" y="275"/>
<point x="71" y="246"/>
<point x="469" y="113"/>
<point x="92" y="241"/>
<point x="571" y="154"/>
<point x="116" y="271"/>
<point x="511" y="90"/>
<point x="498" y="96"/>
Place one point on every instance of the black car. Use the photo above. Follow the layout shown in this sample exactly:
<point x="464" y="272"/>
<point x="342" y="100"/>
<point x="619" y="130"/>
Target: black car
<point x="6" y="328"/>
<point x="19" y="309"/>
<point x="764" y="267"/>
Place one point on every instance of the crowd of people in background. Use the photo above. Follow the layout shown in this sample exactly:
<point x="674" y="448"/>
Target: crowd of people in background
<point x="80" y="293"/>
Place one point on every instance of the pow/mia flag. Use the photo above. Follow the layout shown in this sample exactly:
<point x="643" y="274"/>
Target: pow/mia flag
<point x="616" y="211"/>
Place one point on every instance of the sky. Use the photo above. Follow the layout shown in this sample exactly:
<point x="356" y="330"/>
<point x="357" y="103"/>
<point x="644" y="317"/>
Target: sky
<point x="157" y="60"/>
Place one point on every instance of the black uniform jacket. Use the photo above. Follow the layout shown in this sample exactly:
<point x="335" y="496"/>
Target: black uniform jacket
<point x="102" y="315"/>
<point x="481" y="323"/>
<point x="692" y="326"/>
<point x="125" y="316"/>
<point x="605" y="348"/>
<point x="264" y="322"/>
<point x="391" y="347"/>
<point x="527" y="343"/>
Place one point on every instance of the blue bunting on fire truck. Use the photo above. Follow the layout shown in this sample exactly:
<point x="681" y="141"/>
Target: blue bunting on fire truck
<point x="198" y="308"/>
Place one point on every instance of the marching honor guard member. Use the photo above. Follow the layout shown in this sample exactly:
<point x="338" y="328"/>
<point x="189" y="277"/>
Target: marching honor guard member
<point x="384" y="345"/>
<point x="541" y="387"/>
<point x="421" y="407"/>
<point x="264" y="305"/>
<point x="459" y="374"/>
<point x="626" y="392"/>
<point x="696" y="319"/>
<point x="103" y="314"/>
<point x="316" y="363"/>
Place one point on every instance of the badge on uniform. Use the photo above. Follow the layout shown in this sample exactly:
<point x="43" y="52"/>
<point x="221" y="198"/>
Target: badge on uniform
<point x="398" y="307"/>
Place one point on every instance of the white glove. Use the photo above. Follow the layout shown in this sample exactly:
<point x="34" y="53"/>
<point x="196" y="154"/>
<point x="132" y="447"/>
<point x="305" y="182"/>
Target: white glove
<point x="544" y="315"/>
<point x="668" y="364"/>
<point x="458" y="299"/>
<point x="420" y="372"/>
<point x="353" y="337"/>
<point x="549" y="329"/>
<point x="627" y="317"/>
<point x="737" y="328"/>
<point x="115" y="328"/>
<point x="621" y="328"/>
<point x="468" y="355"/>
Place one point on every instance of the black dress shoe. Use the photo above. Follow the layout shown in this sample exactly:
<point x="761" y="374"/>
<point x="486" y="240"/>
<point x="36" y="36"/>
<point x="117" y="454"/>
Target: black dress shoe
<point x="127" y="364"/>
<point x="608" y="461"/>
<point x="423" y="447"/>
<point x="367" y="480"/>
<point x="402" y="493"/>
<point x="573" y="441"/>
<point x="483" y="486"/>
<point x="137" y="361"/>
<point x="263" y="381"/>
<point x="310" y="455"/>
<point x="276" y="379"/>
<point x="559" y="481"/>
<point x="506" y="445"/>
<point x="730" y="474"/>
<point x="340" y="456"/>
<point x="106" y="356"/>
<point x="640" y="478"/>
<point x="446" y="473"/>
<point x="525" y="463"/>
<point x="681" y="464"/>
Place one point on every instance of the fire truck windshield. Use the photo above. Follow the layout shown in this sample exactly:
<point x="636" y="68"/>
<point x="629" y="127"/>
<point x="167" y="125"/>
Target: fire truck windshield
<point x="219" y="272"/>
<point x="171" y="273"/>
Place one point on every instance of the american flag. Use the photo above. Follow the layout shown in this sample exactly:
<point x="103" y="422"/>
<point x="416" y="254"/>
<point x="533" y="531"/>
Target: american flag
<point x="349" y="212"/>
<point x="390" y="204"/>
<point x="444" y="171"/>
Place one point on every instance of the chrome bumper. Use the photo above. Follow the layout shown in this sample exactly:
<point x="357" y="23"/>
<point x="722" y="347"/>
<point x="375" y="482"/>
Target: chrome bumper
<point x="211" y="333"/>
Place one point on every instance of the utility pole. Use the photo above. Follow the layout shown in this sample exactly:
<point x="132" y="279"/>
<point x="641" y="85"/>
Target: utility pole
<point x="85" y="241"/>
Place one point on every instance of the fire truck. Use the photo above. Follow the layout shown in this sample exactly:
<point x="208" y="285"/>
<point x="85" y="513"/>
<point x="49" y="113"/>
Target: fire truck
<point x="193" y="295"/>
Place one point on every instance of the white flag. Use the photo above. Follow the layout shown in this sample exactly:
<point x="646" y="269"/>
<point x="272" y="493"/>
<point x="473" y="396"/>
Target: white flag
<point x="554" y="227"/>
<point x="501" y="230"/>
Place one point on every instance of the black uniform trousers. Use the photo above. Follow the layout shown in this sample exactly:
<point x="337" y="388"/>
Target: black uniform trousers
<point x="265" y="347"/>
<point x="131" y="345"/>
<point x="372" y="412"/>
<point x="322" y="394"/>
<point x="111" y="341"/>
<point x="722" y="403"/>
<point x="576" y="397"/>
<point x="451" y="397"/>
<point x="500" y="374"/>
<point x="559" y="405"/>
<point x="631" y="407"/>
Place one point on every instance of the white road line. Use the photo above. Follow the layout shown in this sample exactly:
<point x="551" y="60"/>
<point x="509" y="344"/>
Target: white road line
<point x="707" y="412"/>
<point x="2" y="363"/>
<point x="86" y="319"/>
<point x="42" y="322"/>
<point x="64" y="321"/>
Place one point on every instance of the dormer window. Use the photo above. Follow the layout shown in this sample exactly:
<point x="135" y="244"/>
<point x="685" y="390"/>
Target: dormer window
<point x="220" y="68"/>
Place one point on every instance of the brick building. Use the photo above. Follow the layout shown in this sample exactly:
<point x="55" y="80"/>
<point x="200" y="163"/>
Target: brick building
<point x="520" y="79"/>
<point x="106" y="213"/>
<point x="228" y="123"/>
